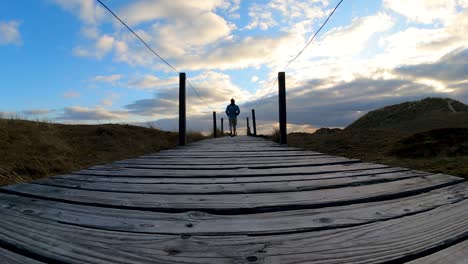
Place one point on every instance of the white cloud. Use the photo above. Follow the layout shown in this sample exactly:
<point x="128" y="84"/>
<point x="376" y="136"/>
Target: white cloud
<point x="232" y="7"/>
<point x="423" y="11"/>
<point x="355" y="63"/>
<point x="82" y="52"/>
<point x="247" y="52"/>
<point x="36" y="112"/>
<point x="88" y="11"/>
<point x="181" y="24"/>
<point x="261" y="18"/>
<point x="77" y="113"/>
<point x="9" y="33"/>
<point x="152" y="82"/>
<point x="113" y="79"/>
<point x="280" y="12"/>
<point x="108" y="101"/>
<point x="215" y="88"/>
<point x="352" y="39"/>
<point x="340" y="54"/>
<point x="150" y="10"/>
<point x="463" y="3"/>
<point x="71" y="94"/>
<point x="343" y="102"/>
<point x="300" y="8"/>
<point x="102" y="46"/>
<point x="164" y="104"/>
<point x="415" y="45"/>
<point x="133" y="55"/>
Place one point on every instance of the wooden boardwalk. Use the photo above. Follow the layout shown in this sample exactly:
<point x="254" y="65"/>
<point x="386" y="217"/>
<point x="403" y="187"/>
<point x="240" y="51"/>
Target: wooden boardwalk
<point x="237" y="200"/>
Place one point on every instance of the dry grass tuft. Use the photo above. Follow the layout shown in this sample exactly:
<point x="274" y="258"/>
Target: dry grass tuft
<point x="388" y="147"/>
<point x="33" y="150"/>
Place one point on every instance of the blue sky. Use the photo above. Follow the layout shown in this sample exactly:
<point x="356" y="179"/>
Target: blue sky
<point x="70" y="61"/>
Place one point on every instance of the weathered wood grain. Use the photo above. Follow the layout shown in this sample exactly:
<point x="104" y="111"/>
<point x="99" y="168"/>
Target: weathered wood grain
<point x="457" y="254"/>
<point x="230" y="173"/>
<point x="229" y="148"/>
<point x="240" y="202"/>
<point x="236" y="158"/>
<point x="236" y="200"/>
<point x="219" y="180"/>
<point x="222" y="166"/>
<point x="231" y="154"/>
<point x="199" y="223"/>
<point x="226" y="161"/>
<point x="286" y="185"/>
<point x="379" y="242"/>
<point x="8" y="257"/>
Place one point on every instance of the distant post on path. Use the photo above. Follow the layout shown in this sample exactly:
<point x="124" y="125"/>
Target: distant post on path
<point x="282" y="107"/>
<point x="214" y="125"/>
<point x="222" y="126"/>
<point x="254" y="123"/>
<point x="182" y="116"/>
<point x="248" y="127"/>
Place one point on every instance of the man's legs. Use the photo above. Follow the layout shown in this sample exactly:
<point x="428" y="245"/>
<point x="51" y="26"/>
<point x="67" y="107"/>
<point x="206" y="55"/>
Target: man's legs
<point x="230" y="126"/>
<point x="234" y="123"/>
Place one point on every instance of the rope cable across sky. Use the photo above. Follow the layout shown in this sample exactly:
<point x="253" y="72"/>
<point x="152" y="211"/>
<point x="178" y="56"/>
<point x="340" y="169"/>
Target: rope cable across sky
<point x="302" y="50"/>
<point x="153" y="51"/>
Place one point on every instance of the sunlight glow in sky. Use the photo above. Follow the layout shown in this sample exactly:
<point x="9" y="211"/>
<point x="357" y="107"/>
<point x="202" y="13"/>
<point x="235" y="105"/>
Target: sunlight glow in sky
<point x="70" y="61"/>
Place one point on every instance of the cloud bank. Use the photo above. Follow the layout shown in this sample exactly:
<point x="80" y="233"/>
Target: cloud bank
<point x="402" y="50"/>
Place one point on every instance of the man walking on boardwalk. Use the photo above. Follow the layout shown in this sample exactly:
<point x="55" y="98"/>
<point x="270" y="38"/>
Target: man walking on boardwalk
<point x="232" y="111"/>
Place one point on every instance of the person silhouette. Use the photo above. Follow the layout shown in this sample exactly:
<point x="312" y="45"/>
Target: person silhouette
<point x="232" y="111"/>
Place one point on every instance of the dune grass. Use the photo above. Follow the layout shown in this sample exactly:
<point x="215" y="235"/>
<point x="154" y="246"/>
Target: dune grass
<point x="32" y="150"/>
<point x="385" y="147"/>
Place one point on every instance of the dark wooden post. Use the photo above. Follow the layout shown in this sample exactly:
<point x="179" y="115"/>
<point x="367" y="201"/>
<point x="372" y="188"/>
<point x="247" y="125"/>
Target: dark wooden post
<point x="282" y="107"/>
<point x="182" y="117"/>
<point x="248" y="127"/>
<point x="254" y="123"/>
<point x="222" y="126"/>
<point x="214" y="124"/>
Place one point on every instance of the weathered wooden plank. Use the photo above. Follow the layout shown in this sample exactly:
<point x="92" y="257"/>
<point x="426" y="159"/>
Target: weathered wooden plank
<point x="224" y="159"/>
<point x="233" y="154"/>
<point x="457" y="254"/>
<point x="199" y="223"/>
<point x="8" y="257"/>
<point x="234" y="151"/>
<point x="231" y="173"/>
<point x="256" y="187"/>
<point x="236" y="161"/>
<point x="393" y="240"/>
<point x="232" y="148"/>
<point x="234" y="203"/>
<point x="219" y="180"/>
<point x="213" y="156"/>
<point x="236" y="140"/>
<point x="150" y="211"/>
<point x="221" y="166"/>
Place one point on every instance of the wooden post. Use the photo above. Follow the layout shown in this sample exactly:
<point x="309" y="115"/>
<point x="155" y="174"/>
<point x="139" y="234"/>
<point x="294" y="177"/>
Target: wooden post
<point x="254" y="123"/>
<point x="282" y="107"/>
<point x="182" y="116"/>
<point x="222" y="126"/>
<point x="248" y="127"/>
<point x="214" y="124"/>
